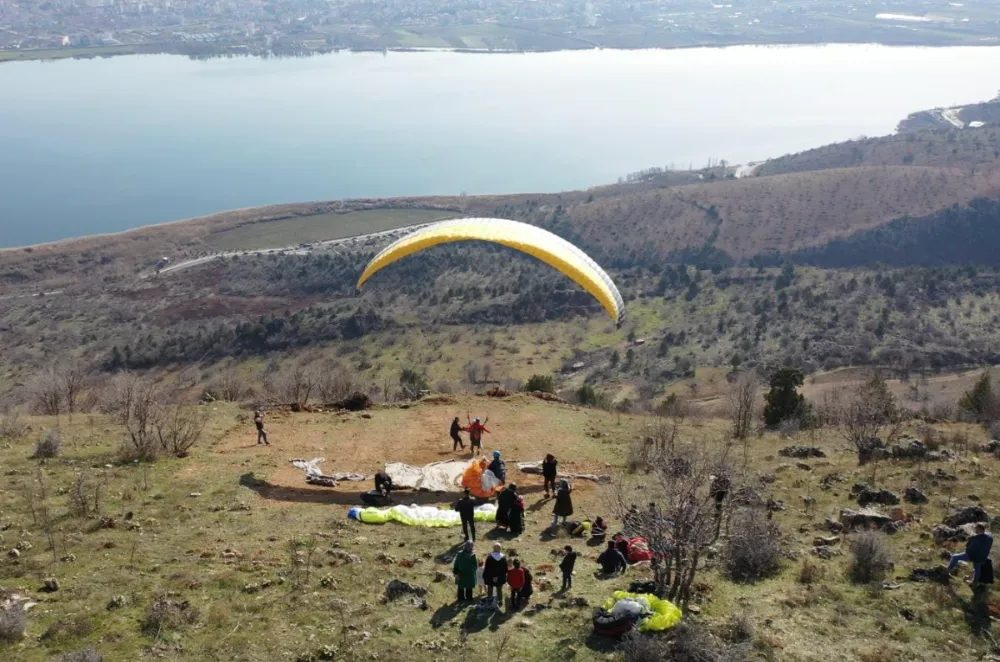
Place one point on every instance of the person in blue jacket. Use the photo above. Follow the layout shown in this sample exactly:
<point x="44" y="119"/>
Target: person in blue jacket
<point x="977" y="552"/>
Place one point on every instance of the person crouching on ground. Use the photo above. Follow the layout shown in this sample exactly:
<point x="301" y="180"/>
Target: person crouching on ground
<point x="612" y="560"/>
<point x="977" y="552"/>
<point x="515" y="579"/>
<point x="383" y="483"/>
<point x="465" y="572"/>
<point x="549" y="473"/>
<point x="505" y="501"/>
<point x="498" y="467"/>
<point x="495" y="573"/>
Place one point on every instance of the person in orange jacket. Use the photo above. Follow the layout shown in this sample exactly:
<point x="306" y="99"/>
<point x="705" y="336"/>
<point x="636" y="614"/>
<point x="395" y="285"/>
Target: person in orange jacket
<point x="475" y="430"/>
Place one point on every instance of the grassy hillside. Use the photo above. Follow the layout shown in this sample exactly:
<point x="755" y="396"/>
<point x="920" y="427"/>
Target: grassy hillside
<point x="249" y="563"/>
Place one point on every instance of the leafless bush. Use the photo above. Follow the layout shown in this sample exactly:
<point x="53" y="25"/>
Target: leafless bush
<point x="231" y="386"/>
<point x="46" y="392"/>
<point x="743" y="404"/>
<point x="12" y="624"/>
<point x="682" y="523"/>
<point x="49" y="445"/>
<point x="753" y="550"/>
<point x="994" y="430"/>
<point x="86" y="494"/>
<point x="151" y="426"/>
<point x="738" y="629"/>
<point x="12" y="426"/>
<point x="639" y="647"/>
<point x="871" y="419"/>
<point x="89" y="654"/>
<point x="166" y="614"/>
<point x="871" y="557"/>
<point x="178" y="428"/>
<point x="694" y="643"/>
<point x="811" y="572"/>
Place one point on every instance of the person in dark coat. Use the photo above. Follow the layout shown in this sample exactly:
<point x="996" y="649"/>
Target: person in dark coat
<point x="465" y="568"/>
<point x="383" y="483"/>
<point x="977" y="552"/>
<point x="549" y="474"/>
<point x="258" y="420"/>
<point x="466" y="507"/>
<point x="564" y="503"/>
<point x="504" y="502"/>
<point x="498" y="467"/>
<point x="515" y="516"/>
<point x="612" y="561"/>
<point x="566" y="566"/>
<point x="495" y="573"/>
<point x="456" y="437"/>
<point x="529" y="587"/>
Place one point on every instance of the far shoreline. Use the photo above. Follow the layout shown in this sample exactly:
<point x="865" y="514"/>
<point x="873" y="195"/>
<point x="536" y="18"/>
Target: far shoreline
<point x="90" y="53"/>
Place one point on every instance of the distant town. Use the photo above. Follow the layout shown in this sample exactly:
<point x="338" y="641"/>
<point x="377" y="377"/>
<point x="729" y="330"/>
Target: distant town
<point x="39" y="29"/>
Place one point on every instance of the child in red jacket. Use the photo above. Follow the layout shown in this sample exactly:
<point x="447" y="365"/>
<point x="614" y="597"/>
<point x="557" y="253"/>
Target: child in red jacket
<point x="516" y="581"/>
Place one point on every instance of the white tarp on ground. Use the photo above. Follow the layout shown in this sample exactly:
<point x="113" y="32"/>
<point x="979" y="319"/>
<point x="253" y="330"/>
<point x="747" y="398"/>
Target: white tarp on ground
<point x="445" y="476"/>
<point x="536" y="469"/>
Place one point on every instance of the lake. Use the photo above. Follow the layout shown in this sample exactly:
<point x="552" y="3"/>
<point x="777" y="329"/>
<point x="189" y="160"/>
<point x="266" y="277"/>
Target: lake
<point x="90" y="146"/>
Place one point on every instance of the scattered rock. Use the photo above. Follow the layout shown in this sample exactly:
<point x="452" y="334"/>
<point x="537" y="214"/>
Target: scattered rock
<point x="899" y="515"/>
<point x="865" y="518"/>
<point x="833" y="526"/>
<point x="117" y="602"/>
<point x="943" y="455"/>
<point x="799" y="451"/>
<point x="992" y="447"/>
<point x="938" y="574"/>
<point x="327" y="581"/>
<point x="397" y="588"/>
<point x="231" y="554"/>
<point x="382" y="557"/>
<point x="693" y="609"/>
<point x="767" y="479"/>
<point x="440" y="576"/>
<point x="14" y="553"/>
<point x="825" y="553"/>
<point x="828" y="480"/>
<point x="23" y="545"/>
<point x="342" y="558"/>
<point x="943" y="533"/>
<point x="195" y="494"/>
<point x="747" y="496"/>
<point x="890" y="528"/>
<point x="826" y="541"/>
<point x="108" y="523"/>
<point x="421" y="604"/>
<point x="339" y="604"/>
<point x="51" y="585"/>
<point x="883" y="497"/>
<point x="575" y="602"/>
<point x="366" y="415"/>
<point x="914" y="495"/>
<point x="967" y="515"/>
<point x="908" y="449"/>
<point x="68" y="558"/>
<point x="805" y="466"/>
<point x="524" y="623"/>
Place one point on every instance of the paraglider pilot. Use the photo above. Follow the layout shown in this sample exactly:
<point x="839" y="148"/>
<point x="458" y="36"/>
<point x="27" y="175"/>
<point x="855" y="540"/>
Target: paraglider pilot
<point x="475" y="430"/>
<point x="498" y="467"/>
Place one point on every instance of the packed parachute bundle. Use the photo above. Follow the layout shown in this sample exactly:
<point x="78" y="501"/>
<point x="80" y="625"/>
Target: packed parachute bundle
<point x="480" y="480"/>
<point x="652" y="614"/>
<point x="542" y="244"/>
<point x="428" y="516"/>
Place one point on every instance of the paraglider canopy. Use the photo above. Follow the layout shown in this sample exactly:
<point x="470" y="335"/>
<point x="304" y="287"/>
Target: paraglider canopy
<point x="542" y="244"/>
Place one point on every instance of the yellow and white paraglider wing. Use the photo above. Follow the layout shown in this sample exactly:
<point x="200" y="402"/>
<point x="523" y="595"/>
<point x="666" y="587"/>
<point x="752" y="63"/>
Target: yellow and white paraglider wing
<point x="665" y="614"/>
<point x="542" y="244"/>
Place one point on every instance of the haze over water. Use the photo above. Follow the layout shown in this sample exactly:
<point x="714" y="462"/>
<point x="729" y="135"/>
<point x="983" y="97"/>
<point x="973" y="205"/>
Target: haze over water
<point x="90" y="146"/>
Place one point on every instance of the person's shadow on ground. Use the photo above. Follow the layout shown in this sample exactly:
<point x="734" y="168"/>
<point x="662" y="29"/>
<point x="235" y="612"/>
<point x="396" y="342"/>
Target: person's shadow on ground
<point x="447" y="613"/>
<point x="448" y="556"/>
<point x="976" y="610"/>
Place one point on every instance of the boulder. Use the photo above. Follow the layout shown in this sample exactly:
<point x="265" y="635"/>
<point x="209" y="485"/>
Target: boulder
<point x="967" y="515"/>
<point x="833" y="526"/>
<point x="864" y="518"/>
<point x="908" y="449"/>
<point x="826" y="541"/>
<point x="825" y="552"/>
<point x="938" y="574"/>
<point x="397" y="588"/>
<point x="992" y="447"/>
<point x="805" y="466"/>
<point x="872" y="495"/>
<point x="801" y="452"/>
<point x="51" y="584"/>
<point x="943" y="533"/>
<point x="914" y="495"/>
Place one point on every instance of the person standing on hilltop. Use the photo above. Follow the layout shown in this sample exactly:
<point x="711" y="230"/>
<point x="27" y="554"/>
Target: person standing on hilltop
<point x="564" y="502"/>
<point x="258" y="420"/>
<point x="475" y="430"/>
<point x="977" y="552"/>
<point x="465" y="569"/>
<point x="549" y="473"/>
<point x="456" y="437"/>
<point x="466" y="507"/>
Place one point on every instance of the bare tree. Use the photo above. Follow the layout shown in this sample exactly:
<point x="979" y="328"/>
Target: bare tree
<point x="743" y="404"/>
<point x="73" y="379"/>
<point x="178" y="428"/>
<point x="487" y="371"/>
<point x="133" y="402"/>
<point x="472" y="372"/>
<point x="336" y="382"/>
<point x="231" y="386"/>
<point x="871" y="419"/>
<point x="680" y="523"/>
<point x="46" y="391"/>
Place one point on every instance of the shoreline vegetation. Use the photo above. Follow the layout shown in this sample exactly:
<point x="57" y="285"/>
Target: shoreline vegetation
<point x="184" y="49"/>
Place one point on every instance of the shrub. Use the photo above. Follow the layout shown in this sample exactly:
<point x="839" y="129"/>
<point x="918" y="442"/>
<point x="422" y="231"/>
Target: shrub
<point x="811" y="572"/>
<point x="49" y="445"/>
<point x="753" y="551"/>
<point x="89" y="654"/>
<point x="871" y="557"/>
<point x="694" y="643"/>
<point x="586" y="395"/>
<point x="166" y="614"/>
<point x="994" y="430"/>
<point x="638" y="647"/>
<point x="544" y="383"/>
<point x="12" y="624"/>
<point x="11" y="425"/>
<point x="738" y="629"/>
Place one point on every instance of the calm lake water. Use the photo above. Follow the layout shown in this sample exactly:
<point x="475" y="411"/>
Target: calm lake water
<point x="94" y="146"/>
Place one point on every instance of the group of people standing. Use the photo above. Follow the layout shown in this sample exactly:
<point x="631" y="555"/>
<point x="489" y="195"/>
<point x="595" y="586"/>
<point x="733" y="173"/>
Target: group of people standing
<point x="491" y="574"/>
<point x="475" y="429"/>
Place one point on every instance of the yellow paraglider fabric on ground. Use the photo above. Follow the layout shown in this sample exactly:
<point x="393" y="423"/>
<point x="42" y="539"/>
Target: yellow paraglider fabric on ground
<point x="427" y="516"/>
<point x="542" y="244"/>
<point x="665" y="613"/>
